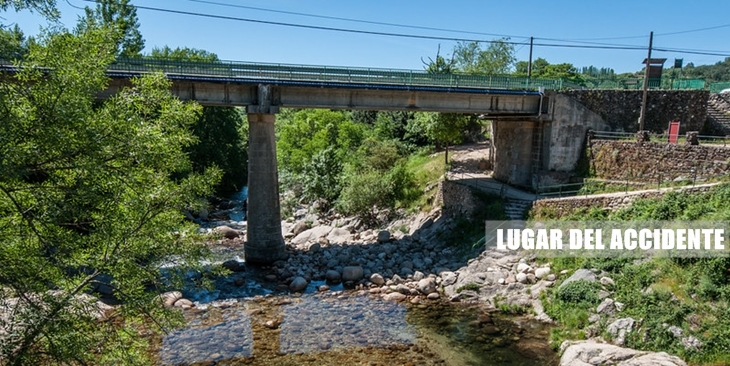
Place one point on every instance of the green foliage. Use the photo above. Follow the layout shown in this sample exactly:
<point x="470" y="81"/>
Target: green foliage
<point x="47" y="8"/>
<point x="221" y="132"/>
<point x="183" y="54"/>
<point x="121" y="17"/>
<point x="13" y="43"/>
<point x="579" y="292"/>
<point x="364" y="194"/>
<point x="321" y="178"/>
<point x="497" y="58"/>
<point x="86" y="194"/>
<point x="222" y="141"/>
<point x="720" y="71"/>
<point x="469" y="286"/>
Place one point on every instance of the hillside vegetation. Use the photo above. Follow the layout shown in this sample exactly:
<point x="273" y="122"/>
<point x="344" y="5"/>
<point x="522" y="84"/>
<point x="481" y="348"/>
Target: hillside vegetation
<point x="692" y="294"/>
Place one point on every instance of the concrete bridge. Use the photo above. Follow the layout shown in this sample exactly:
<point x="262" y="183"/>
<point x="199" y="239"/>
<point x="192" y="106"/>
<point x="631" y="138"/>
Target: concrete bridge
<point x="523" y="141"/>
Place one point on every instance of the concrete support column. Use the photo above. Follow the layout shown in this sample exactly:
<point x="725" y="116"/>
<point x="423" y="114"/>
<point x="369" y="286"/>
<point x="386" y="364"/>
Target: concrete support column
<point x="264" y="243"/>
<point x="513" y="146"/>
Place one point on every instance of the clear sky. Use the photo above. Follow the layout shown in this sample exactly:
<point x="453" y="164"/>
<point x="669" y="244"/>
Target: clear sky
<point x="677" y="24"/>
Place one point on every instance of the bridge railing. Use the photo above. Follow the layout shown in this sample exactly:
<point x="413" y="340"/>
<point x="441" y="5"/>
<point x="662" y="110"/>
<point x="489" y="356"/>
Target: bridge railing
<point x="344" y="75"/>
<point x="718" y="87"/>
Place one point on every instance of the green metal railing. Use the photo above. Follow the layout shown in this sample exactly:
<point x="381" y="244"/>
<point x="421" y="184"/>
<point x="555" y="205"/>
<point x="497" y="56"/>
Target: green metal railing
<point x="327" y="74"/>
<point x="718" y="87"/>
<point x="377" y="76"/>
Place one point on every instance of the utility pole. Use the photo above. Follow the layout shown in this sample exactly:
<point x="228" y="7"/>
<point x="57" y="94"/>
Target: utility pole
<point x="529" y="64"/>
<point x="642" y="116"/>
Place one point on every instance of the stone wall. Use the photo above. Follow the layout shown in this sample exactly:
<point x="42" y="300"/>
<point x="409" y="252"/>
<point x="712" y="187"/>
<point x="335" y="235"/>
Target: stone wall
<point x="558" y="207"/>
<point x="620" y="109"/>
<point x="656" y="161"/>
<point x="457" y="200"/>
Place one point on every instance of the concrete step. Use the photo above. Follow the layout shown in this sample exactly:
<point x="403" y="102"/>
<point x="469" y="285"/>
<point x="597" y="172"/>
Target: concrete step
<point x="515" y="209"/>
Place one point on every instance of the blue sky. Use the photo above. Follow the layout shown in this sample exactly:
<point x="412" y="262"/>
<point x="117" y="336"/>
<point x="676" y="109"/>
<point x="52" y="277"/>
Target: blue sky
<point x="616" y="22"/>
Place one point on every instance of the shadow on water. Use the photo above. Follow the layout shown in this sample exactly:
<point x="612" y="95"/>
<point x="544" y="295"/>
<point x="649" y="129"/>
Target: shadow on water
<point x="343" y="328"/>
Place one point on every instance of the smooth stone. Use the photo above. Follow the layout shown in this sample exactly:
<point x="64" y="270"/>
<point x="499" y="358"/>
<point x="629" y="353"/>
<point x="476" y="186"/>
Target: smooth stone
<point x="298" y="284"/>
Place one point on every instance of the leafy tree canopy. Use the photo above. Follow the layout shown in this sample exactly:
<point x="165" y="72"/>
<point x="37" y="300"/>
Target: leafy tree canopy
<point x="121" y="17"/>
<point x="184" y="54"/>
<point x="87" y="198"/>
<point x="46" y="8"/>
<point x="472" y="58"/>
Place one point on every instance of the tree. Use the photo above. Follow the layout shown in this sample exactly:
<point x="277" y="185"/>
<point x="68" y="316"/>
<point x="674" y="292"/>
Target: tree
<point x="121" y="17"/>
<point x="440" y="65"/>
<point x="497" y="58"/>
<point x="222" y="138"/>
<point x="443" y="128"/>
<point x="47" y="8"/>
<point x="87" y="198"/>
<point x="13" y="43"/>
<point x="184" y="54"/>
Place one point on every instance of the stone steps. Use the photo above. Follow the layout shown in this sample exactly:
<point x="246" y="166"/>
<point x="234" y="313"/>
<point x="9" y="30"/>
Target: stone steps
<point x="515" y="209"/>
<point x="717" y="114"/>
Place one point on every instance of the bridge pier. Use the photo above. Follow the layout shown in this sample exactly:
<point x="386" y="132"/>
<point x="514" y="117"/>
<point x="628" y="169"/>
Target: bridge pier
<point x="264" y="243"/>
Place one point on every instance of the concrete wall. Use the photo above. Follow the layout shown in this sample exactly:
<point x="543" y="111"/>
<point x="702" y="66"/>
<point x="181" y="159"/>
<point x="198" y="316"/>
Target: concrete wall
<point x="512" y="142"/>
<point x="570" y="122"/>
<point x="652" y="161"/>
<point x="620" y="109"/>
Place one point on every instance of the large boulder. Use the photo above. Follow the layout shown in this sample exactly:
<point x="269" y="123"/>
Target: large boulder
<point x="312" y="234"/>
<point x="352" y="273"/>
<point x="589" y="353"/>
<point x="427" y="285"/>
<point x="298" y="284"/>
<point x="581" y="274"/>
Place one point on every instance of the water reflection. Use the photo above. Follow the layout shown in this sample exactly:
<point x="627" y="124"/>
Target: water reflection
<point x="345" y="328"/>
<point x="317" y="324"/>
<point x="230" y="339"/>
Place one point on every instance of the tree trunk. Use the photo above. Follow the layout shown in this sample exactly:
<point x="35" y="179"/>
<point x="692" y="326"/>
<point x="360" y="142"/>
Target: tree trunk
<point x="446" y="154"/>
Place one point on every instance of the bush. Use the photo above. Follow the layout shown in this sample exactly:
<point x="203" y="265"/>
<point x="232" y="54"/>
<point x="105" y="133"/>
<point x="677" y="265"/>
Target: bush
<point x="579" y="292"/>
<point x="365" y="194"/>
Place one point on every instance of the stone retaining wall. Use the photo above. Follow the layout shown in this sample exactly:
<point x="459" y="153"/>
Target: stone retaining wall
<point x="558" y="207"/>
<point x="457" y="200"/>
<point x="656" y="161"/>
<point x="620" y="109"/>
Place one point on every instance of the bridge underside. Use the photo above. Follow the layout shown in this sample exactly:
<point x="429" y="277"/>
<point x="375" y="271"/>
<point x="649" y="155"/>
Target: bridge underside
<point x="496" y="103"/>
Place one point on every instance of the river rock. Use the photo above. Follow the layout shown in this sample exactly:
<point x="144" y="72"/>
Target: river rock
<point x="521" y="277"/>
<point x="377" y="279"/>
<point x="394" y="296"/>
<point x="227" y="232"/>
<point x="234" y="265"/>
<point x="299" y="227"/>
<point x="619" y="328"/>
<point x="607" y="307"/>
<point x="312" y="234"/>
<point x="427" y="285"/>
<point x="298" y="284"/>
<point x="418" y="275"/>
<point x="352" y="273"/>
<point x="542" y="272"/>
<point x="523" y="268"/>
<point x="184" y="303"/>
<point x="581" y="274"/>
<point x="169" y="298"/>
<point x="383" y="236"/>
<point x="448" y="278"/>
<point x="332" y="276"/>
<point x="589" y="353"/>
<point x="433" y="296"/>
<point x="608" y="282"/>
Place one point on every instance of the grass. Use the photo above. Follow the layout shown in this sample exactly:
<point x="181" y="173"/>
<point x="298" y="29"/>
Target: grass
<point x="690" y="293"/>
<point x="426" y="170"/>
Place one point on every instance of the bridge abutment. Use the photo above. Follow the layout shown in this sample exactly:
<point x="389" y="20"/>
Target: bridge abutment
<point x="264" y="243"/>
